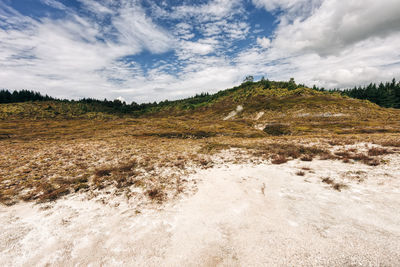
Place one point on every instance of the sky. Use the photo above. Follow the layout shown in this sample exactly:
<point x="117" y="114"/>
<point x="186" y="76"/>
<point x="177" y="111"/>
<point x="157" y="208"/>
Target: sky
<point x="148" y="50"/>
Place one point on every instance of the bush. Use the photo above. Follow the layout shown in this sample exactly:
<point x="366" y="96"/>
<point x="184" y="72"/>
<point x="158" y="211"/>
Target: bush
<point x="279" y="159"/>
<point x="156" y="194"/>
<point x="306" y="158"/>
<point x="277" y="129"/>
<point x="376" y="151"/>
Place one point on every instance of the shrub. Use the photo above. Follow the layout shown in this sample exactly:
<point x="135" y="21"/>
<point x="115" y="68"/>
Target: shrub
<point x="103" y="172"/>
<point x="336" y="186"/>
<point x="375" y="151"/>
<point x="279" y="159"/>
<point x="50" y="193"/>
<point x="327" y="180"/>
<point x="127" y="166"/>
<point x="346" y="160"/>
<point x="80" y="186"/>
<point x="277" y="129"/>
<point x="339" y="186"/>
<point x="306" y="158"/>
<point x="392" y="143"/>
<point x="156" y="194"/>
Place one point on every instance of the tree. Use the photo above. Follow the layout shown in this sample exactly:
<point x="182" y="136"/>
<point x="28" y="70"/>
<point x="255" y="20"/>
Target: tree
<point x="266" y="83"/>
<point x="396" y="93"/>
<point x="292" y="84"/>
<point x="248" y="78"/>
<point x="384" y="94"/>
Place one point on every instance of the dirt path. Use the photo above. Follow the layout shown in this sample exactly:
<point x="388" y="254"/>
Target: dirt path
<point x="242" y="215"/>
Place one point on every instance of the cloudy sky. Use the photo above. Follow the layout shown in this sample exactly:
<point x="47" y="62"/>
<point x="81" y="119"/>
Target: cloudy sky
<point x="151" y="50"/>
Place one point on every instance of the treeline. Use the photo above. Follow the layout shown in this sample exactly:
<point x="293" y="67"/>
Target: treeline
<point x="22" y="96"/>
<point x="384" y="94"/>
<point x="85" y="104"/>
<point x="118" y="107"/>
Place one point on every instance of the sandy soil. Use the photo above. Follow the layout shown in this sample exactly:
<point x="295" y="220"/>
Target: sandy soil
<point x="241" y="215"/>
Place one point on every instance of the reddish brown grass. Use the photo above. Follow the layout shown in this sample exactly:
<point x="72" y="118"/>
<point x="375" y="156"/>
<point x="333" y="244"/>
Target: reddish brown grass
<point x="279" y="159"/>
<point x="306" y="158"/>
<point x="376" y="151"/>
<point x="327" y="180"/>
<point x="156" y="194"/>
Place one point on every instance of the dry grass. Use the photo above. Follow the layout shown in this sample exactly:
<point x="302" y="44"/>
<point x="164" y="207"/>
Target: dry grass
<point x="368" y="158"/>
<point x="306" y="158"/>
<point x="376" y="151"/>
<point x="45" y="155"/>
<point x="263" y="189"/>
<point x="358" y="176"/>
<point x="327" y="180"/>
<point x="339" y="186"/>
<point x="156" y="194"/>
<point x="390" y="143"/>
<point x="43" y="160"/>
<point x="335" y="185"/>
<point x="279" y="159"/>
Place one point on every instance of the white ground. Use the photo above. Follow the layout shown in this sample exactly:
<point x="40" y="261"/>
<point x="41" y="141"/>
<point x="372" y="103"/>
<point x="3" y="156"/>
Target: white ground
<point x="233" y="113"/>
<point x="242" y="215"/>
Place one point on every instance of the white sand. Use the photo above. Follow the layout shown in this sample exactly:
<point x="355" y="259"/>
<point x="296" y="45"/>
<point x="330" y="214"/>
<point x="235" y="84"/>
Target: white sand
<point x="242" y="215"/>
<point x="233" y="113"/>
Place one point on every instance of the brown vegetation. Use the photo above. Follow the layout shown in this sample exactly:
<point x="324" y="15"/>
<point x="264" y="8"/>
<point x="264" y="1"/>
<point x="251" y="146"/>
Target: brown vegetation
<point x="300" y="173"/>
<point x="156" y="194"/>
<point x="279" y="159"/>
<point x="46" y="155"/>
<point x="376" y="151"/>
<point x="306" y="158"/>
<point x="333" y="184"/>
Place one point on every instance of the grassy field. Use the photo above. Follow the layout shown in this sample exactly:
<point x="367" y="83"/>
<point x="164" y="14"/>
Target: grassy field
<point x="50" y="149"/>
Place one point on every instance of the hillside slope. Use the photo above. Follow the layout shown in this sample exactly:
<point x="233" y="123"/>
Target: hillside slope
<point x="288" y="111"/>
<point x="251" y="109"/>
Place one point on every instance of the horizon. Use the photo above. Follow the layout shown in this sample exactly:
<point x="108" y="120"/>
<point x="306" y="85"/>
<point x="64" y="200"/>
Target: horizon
<point x="145" y="51"/>
<point x="386" y="89"/>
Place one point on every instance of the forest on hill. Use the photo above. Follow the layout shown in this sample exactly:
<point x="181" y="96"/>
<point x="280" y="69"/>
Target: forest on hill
<point x="384" y="94"/>
<point x="117" y="106"/>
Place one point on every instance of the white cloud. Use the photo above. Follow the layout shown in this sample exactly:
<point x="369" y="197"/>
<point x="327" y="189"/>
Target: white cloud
<point x="330" y="43"/>
<point x="264" y="42"/>
<point x="272" y="5"/>
<point x="120" y="98"/>
<point x="292" y="8"/>
<point x="337" y="24"/>
<point x="54" y="4"/>
<point x="136" y="28"/>
<point x="72" y="57"/>
<point x="96" y="7"/>
<point x="184" y="31"/>
<point x="197" y="48"/>
<point x="213" y="10"/>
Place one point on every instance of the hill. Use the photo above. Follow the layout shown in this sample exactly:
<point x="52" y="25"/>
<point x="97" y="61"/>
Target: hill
<point x="53" y="147"/>
<point x="278" y="109"/>
<point x="253" y="109"/>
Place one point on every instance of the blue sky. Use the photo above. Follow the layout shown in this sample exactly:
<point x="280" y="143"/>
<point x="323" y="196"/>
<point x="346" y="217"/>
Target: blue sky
<point x="147" y="50"/>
